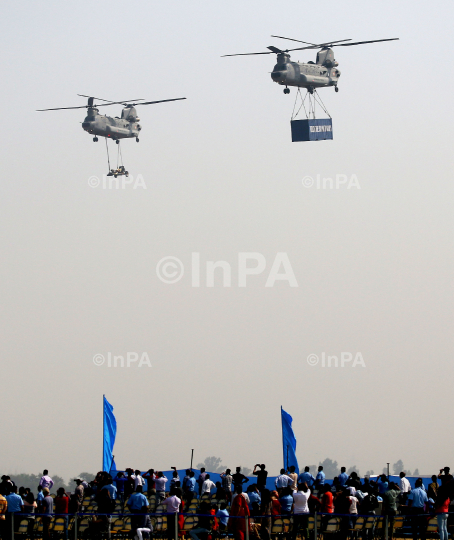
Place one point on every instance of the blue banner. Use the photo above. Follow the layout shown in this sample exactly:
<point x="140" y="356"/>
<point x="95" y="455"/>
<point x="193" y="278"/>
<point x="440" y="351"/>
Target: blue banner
<point x="288" y="442"/>
<point x="109" y="433"/>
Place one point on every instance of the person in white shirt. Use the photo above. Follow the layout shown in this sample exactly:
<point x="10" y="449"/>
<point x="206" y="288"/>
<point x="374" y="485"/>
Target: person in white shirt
<point x="138" y="480"/>
<point x="405" y="486"/>
<point x="300" y="508"/>
<point x="160" y="483"/>
<point x="175" y="478"/>
<point x="207" y="485"/>
<point x="172" y="504"/>
<point x="353" y="504"/>
<point x="353" y="509"/>
<point x="282" y="481"/>
<point x="144" y="532"/>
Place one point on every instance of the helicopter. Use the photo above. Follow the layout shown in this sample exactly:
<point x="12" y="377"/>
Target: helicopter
<point x="310" y="75"/>
<point x="126" y="127"/>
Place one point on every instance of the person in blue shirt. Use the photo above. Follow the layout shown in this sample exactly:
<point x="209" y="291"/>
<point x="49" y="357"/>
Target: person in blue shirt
<point x="343" y="477"/>
<point x="121" y="480"/>
<point x="286" y="500"/>
<point x="382" y="484"/>
<point x="137" y="504"/>
<point x="417" y="500"/>
<point x="189" y="488"/>
<point x="223" y="516"/>
<point x="283" y="480"/>
<point x="186" y="479"/>
<point x="137" y="501"/>
<point x="254" y="496"/>
<point x="15" y="506"/>
<point x="15" y="502"/>
<point x="320" y="478"/>
<point x="306" y="477"/>
<point x="110" y="488"/>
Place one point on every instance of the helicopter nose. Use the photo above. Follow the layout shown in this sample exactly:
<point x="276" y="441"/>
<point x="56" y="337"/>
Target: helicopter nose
<point x="85" y="125"/>
<point x="278" y="76"/>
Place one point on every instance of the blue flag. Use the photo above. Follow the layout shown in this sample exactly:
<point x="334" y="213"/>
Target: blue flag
<point x="288" y="442"/>
<point x="109" y="433"/>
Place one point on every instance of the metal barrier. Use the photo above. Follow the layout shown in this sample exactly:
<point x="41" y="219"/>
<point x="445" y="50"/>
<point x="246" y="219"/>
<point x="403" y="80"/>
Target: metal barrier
<point x="12" y="516"/>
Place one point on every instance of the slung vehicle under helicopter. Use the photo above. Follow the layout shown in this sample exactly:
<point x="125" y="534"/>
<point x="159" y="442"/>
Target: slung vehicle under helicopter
<point x="308" y="75"/>
<point x="126" y="127"/>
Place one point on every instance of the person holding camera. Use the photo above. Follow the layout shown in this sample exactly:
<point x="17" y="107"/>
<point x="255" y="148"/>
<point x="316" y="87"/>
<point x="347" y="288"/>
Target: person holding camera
<point x="262" y="475"/>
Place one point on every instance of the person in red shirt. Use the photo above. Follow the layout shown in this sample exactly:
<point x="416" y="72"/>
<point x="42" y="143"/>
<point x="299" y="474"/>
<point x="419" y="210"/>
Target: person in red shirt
<point x="327" y="501"/>
<point x="314" y="504"/>
<point x="61" y="503"/>
<point x="275" y="504"/>
<point x="441" y="510"/>
<point x="327" y="506"/>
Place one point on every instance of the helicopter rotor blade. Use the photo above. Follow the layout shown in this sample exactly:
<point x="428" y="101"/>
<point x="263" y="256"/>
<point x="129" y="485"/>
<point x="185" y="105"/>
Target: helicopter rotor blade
<point x="86" y="106"/>
<point x="97" y="98"/>
<point x="338" y="43"/>
<point x="246" y="54"/>
<point x="320" y="45"/>
<point x="290" y="39"/>
<point x="275" y="49"/>
<point x="329" y="43"/>
<point x="364" y="42"/>
<point x="110" y="103"/>
<point x="160" y="101"/>
<point x="62" y="108"/>
<point x="108" y="100"/>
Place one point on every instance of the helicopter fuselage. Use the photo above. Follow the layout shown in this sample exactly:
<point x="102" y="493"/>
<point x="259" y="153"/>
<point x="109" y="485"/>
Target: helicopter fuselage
<point x="302" y="75"/>
<point x="126" y="127"/>
<point x="305" y="75"/>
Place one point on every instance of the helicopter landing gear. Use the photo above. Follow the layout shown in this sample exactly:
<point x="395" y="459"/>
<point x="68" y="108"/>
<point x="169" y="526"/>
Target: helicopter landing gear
<point x="137" y="139"/>
<point x="118" y="142"/>
<point x="95" y="139"/>
<point x="336" y="89"/>
<point x="310" y="89"/>
<point x="286" y="90"/>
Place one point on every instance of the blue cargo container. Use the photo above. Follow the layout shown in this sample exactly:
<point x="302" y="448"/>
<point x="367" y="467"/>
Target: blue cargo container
<point x="312" y="129"/>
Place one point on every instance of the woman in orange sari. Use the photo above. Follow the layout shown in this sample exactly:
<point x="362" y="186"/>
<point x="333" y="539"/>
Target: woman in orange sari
<point x="237" y="525"/>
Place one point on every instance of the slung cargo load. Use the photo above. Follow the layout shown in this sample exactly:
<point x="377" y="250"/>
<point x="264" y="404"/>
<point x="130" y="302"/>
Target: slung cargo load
<point x="312" y="129"/>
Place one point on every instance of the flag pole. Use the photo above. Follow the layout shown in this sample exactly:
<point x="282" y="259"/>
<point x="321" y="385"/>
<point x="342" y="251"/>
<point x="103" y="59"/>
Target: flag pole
<point x="282" y="426"/>
<point x="103" y="434"/>
<point x="192" y="455"/>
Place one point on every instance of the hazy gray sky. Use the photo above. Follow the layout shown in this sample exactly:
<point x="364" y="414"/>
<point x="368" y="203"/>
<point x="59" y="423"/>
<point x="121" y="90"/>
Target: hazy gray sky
<point x="374" y="265"/>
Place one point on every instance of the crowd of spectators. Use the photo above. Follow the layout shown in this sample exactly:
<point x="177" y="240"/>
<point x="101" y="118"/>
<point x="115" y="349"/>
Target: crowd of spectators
<point x="220" y="503"/>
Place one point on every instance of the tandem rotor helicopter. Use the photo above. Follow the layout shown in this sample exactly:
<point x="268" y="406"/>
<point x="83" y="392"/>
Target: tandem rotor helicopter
<point x="308" y="75"/>
<point x="126" y="127"/>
